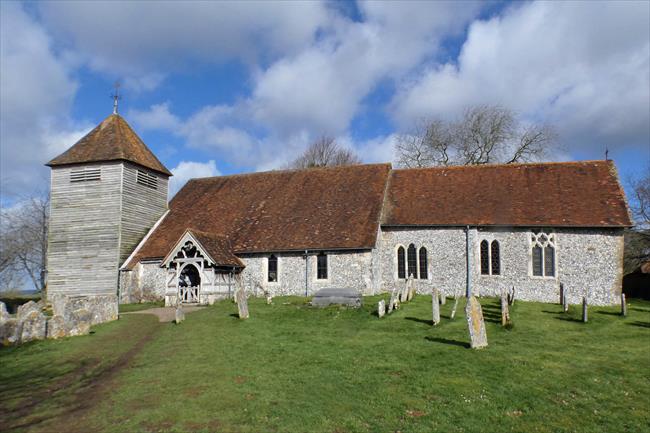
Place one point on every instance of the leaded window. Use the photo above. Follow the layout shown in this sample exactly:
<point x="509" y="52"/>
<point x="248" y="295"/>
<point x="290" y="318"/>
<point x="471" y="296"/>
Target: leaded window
<point x="321" y="266"/>
<point x="412" y="261"/>
<point x="485" y="258"/>
<point x="543" y="254"/>
<point x="423" y="264"/>
<point x="401" y="263"/>
<point x="273" y="269"/>
<point x="495" y="258"/>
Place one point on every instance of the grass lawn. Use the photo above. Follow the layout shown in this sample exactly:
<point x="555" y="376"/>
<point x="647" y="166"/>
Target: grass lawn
<point x="127" y="308"/>
<point x="292" y="368"/>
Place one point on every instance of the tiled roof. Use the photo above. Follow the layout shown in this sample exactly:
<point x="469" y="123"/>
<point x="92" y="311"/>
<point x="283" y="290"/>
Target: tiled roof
<point x="292" y="210"/>
<point x="218" y="247"/>
<point x="563" y="194"/>
<point x="111" y="140"/>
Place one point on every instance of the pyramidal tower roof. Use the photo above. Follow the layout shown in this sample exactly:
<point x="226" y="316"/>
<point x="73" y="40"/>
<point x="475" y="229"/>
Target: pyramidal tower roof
<point x="111" y="140"/>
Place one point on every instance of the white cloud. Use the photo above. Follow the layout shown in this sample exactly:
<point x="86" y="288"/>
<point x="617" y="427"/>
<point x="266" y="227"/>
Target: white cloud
<point x="186" y="170"/>
<point x="148" y="39"/>
<point x="582" y="67"/>
<point x="157" y="117"/>
<point x="37" y="91"/>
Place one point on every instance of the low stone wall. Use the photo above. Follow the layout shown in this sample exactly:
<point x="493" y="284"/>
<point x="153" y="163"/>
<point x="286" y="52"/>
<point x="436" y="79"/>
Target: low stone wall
<point x="102" y="308"/>
<point x="29" y="324"/>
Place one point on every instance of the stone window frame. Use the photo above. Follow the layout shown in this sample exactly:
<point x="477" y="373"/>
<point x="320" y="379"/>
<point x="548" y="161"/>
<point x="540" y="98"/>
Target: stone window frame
<point x="328" y="267"/>
<point x="418" y="246"/>
<point x="552" y="237"/>
<point x="266" y="269"/>
<point x="489" y="239"/>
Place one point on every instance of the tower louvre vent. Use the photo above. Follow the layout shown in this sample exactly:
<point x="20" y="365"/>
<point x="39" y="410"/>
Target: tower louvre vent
<point x="85" y="174"/>
<point x="147" y="179"/>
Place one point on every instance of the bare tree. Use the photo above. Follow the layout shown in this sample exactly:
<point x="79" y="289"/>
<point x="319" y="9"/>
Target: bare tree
<point x="640" y="200"/>
<point x="23" y="246"/>
<point x="484" y="134"/>
<point x="325" y="152"/>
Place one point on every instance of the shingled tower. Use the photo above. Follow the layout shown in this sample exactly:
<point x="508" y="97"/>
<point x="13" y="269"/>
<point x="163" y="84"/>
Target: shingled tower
<point x="107" y="191"/>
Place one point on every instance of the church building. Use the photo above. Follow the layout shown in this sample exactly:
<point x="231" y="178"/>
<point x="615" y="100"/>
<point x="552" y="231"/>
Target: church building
<point x="115" y="238"/>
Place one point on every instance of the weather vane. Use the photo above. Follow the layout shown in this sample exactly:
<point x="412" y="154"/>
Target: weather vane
<point x="116" y="96"/>
<point x="606" y="153"/>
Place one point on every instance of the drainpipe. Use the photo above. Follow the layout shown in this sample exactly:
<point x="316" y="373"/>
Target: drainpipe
<point x="468" y="289"/>
<point x="306" y="273"/>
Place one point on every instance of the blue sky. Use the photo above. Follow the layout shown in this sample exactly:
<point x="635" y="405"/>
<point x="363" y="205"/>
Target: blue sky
<point x="218" y="88"/>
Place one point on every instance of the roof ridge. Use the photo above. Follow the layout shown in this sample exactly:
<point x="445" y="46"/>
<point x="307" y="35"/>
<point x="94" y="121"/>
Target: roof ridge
<point x="515" y="164"/>
<point x="291" y="170"/>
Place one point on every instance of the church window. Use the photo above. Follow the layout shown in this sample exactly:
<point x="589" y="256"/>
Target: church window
<point x="423" y="264"/>
<point x="147" y="179"/>
<point x="495" y="259"/>
<point x="401" y="263"/>
<point x="85" y="174"/>
<point x="543" y="254"/>
<point x="485" y="258"/>
<point x="272" y="269"/>
<point x="321" y="266"/>
<point x="412" y="261"/>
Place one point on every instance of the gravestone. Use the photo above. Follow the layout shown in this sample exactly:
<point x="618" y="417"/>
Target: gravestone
<point x="623" y="305"/>
<point x="505" y="312"/>
<point x="269" y="298"/>
<point x="26" y="308"/>
<point x="381" y="308"/>
<point x="56" y="327"/>
<point x="393" y="299"/>
<point x="511" y="296"/>
<point x="78" y="322"/>
<point x="10" y="330"/>
<point x="411" y="293"/>
<point x="476" y="324"/>
<point x="242" y="303"/>
<point x="443" y="298"/>
<point x="565" y="303"/>
<point x="453" y="310"/>
<point x="34" y="326"/>
<point x="179" y="315"/>
<point x="584" y="310"/>
<point x="435" y="299"/>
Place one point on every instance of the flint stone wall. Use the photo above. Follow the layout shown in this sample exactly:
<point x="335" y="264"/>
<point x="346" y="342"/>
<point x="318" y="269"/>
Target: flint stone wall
<point x="102" y="308"/>
<point x="588" y="261"/>
<point x="145" y="283"/>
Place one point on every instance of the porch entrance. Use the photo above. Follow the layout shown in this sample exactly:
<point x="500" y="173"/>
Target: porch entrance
<point x="189" y="282"/>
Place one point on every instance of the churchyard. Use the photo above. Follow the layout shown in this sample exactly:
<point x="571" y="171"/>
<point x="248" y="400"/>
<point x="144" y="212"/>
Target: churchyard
<point x="290" y="367"/>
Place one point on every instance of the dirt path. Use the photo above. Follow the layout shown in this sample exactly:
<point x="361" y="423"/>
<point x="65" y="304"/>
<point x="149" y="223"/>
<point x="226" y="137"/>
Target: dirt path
<point x="165" y="314"/>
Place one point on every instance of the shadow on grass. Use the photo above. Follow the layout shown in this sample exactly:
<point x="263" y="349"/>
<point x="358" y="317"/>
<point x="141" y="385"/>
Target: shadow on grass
<point x="415" y="319"/>
<point x="608" y="313"/>
<point x="643" y="310"/>
<point x="569" y="319"/>
<point x="447" y="341"/>
<point x="640" y="324"/>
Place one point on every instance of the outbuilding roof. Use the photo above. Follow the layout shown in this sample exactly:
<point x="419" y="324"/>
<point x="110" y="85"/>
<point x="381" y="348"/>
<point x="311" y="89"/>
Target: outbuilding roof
<point x="111" y="140"/>
<point x="555" y="194"/>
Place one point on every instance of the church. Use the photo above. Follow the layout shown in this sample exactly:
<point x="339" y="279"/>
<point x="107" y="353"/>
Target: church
<point x="482" y="229"/>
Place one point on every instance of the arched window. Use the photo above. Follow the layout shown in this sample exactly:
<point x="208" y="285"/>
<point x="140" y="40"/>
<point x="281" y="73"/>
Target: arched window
<point x="321" y="266"/>
<point x="485" y="258"/>
<point x="423" y="264"/>
<point x="495" y="258"/>
<point x="401" y="263"/>
<point x="273" y="269"/>
<point x="412" y="261"/>
<point x="543" y="254"/>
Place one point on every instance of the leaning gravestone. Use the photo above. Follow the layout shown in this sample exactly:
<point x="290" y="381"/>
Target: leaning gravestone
<point x="476" y="324"/>
<point x="511" y="296"/>
<point x="443" y="298"/>
<point x="435" y="297"/>
<point x="623" y="305"/>
<point x="56" y="327"/>
<point x="242" y="303"/>
<point x="381" y="308"/>
<point x="453" y="310"/>
<point x="34" y="326"/>
<point x="505" y="312"/>
<point x="393" y="300"/>
<point x="584" y="310"/>
<point x="411" y="293"/>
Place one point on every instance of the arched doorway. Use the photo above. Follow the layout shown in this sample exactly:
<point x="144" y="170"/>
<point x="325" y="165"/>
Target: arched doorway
<point x="189" y="282"/>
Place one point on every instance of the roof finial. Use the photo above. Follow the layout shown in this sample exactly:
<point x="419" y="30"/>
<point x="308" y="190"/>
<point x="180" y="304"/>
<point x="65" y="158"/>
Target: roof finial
<point x="116" y="96"/>
<point x="606" y="153"/>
